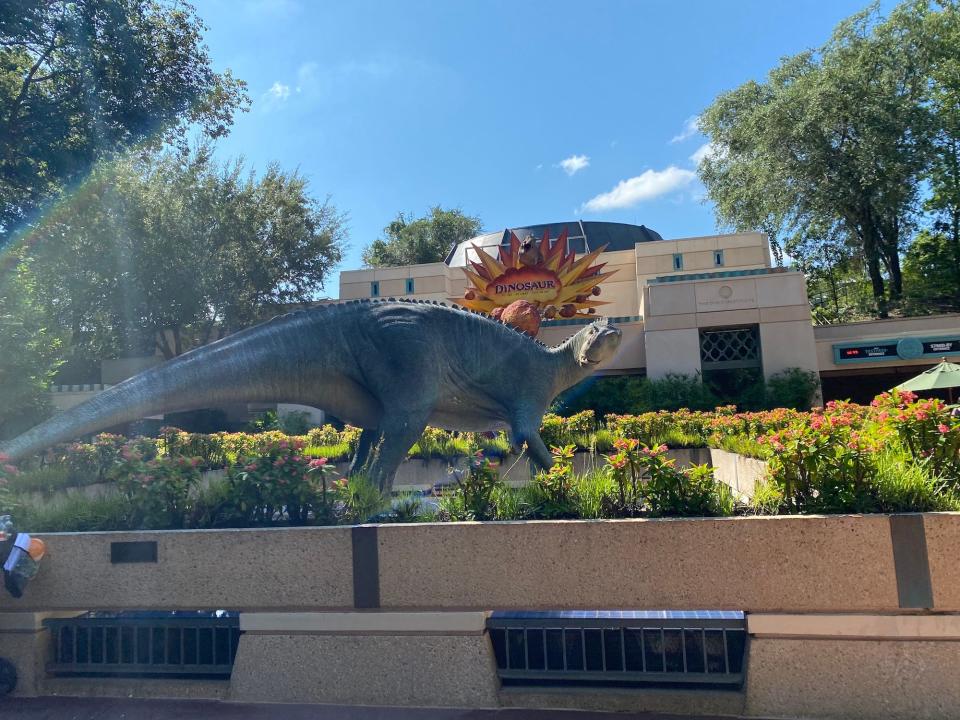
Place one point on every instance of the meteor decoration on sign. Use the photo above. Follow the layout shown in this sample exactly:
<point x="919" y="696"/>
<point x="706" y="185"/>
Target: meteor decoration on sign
<point x="549" y="278"/>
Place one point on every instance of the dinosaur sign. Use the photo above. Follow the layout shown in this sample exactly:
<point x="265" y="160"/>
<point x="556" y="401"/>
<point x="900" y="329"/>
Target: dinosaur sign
<point x="548" y="276"/>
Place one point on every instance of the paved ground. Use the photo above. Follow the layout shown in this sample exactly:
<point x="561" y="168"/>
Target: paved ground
<point x="60" y="708"/>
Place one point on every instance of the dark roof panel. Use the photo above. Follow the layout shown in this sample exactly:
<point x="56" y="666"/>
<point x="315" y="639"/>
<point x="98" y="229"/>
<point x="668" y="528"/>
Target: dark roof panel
<point x="616" y="236"/>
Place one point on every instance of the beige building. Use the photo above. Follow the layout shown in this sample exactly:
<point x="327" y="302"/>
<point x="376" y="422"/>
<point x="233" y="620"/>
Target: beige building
<point x="699" y="305"/>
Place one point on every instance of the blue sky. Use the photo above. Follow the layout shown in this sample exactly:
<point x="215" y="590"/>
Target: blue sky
<point x="518" y="112"/>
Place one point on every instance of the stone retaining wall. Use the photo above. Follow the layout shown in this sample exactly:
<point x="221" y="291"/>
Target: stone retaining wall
<point x="847" y="616"/>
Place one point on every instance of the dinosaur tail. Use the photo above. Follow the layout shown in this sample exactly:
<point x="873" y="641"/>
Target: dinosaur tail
<point x="230" y="370"/>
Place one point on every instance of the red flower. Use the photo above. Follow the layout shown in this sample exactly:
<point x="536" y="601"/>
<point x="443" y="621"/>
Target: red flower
<point x="943" y="429"/>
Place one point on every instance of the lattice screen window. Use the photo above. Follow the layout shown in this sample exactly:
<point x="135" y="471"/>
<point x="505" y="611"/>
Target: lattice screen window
<point x="736" y="347"/>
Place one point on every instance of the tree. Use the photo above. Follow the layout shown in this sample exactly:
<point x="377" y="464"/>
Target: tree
<point x="944" y="200"/>
<point x="835" y="140"/>
<point x="30" y="352"/>
<point x="165" y="251"/>
<point x="931" y="273"/>
<point x="81" y="79"/>
<point x="428" y="239"/>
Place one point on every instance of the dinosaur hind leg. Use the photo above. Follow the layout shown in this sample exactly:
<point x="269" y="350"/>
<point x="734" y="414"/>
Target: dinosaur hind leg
<point x="397" y="434"/>
<point x="368" y="438"/>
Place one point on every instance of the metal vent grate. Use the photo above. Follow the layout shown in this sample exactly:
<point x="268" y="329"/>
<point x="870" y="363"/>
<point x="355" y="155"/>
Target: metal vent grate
<point x="619" y="648"/>
<point x="738" y="347"/>
<point x="145" y="644"/>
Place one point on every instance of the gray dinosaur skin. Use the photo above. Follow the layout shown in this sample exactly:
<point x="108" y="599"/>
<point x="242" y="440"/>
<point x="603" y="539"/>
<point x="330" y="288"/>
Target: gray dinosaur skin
<point x="390" y="367"/>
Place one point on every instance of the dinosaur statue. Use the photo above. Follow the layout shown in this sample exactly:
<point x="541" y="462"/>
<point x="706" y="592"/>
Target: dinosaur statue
<point x="389" y="367"/>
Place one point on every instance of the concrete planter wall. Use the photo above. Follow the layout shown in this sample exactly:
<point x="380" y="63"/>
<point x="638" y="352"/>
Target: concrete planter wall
<point x="848" y="616"/>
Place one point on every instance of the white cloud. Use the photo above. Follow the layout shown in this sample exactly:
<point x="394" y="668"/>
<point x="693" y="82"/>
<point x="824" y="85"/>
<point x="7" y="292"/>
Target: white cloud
<point x="574" y="164"/>
<point x="646" y="186"/>
<point x="689" y="130"/>
<point x="707" y="150"/>
<point x="279" y="91"/>
<point x="539" y="166"/>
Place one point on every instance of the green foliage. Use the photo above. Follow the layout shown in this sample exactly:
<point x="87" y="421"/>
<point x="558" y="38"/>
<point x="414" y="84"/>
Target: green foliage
<point x="414" y="241"/>
<point x="359" y="499"/>
<point x="281" y="484"/>
<point x="673" y="392"/>
<point x="842" y="151"/>
<point x="31" y="351"/>
<point x="792" y="388"/>
<point x="335" y="453"/>
<point x="81" y="80"/>
<point x="931" y="273"/>
<point x="76" y="513"/>
<point x="905" y="486"/>
<point x="45" y="479"/>
<point x="410" y="508"/>
<point x="134" y="261"/>
<point x="555" y="486"/>
<point x="474" y="487"/>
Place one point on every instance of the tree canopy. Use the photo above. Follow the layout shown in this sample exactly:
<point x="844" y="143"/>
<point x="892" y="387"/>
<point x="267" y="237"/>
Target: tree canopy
<point x="413" y="241"/>
<point x="831" y="154"/>
<point x="31" y="351"/>
<point x="163" y="251"/>
<point x="82" y="79"/>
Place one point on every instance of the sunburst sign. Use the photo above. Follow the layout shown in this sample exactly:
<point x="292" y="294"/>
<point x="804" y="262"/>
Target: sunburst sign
<point x="549" y="277"/>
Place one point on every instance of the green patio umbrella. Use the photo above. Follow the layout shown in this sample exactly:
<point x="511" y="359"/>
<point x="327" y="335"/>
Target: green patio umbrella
<point x="946" y="376"/>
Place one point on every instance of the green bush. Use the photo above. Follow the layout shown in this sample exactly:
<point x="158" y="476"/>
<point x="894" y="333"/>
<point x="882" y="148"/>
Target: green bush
<point x="673" y="392"/>
<point x="793" y="388"/>
<point x="44" y="479"/>
<point x="76" y="513"/>
<point x="474" y="488"/>
<point x="359" y="500"/>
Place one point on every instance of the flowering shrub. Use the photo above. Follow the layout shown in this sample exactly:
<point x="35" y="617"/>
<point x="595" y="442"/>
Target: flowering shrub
<point x="280" y="484"/>
<point x="471" y="497"/>
<point x="556" y="485"/>
<point x="649" y="483"/>
<point x="157" y="488"/>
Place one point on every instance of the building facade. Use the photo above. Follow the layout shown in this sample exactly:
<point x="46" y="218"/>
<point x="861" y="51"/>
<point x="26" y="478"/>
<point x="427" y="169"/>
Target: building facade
<point x="700" y="305"/>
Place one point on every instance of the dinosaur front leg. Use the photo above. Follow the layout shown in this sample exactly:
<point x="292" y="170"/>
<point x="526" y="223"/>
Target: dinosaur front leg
<point x="536" y="448"/>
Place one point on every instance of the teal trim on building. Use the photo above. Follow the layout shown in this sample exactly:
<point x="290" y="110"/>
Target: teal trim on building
<point x="904" y="348"/>
<point x="711" y="275"/>
<point x="587" y="321"/>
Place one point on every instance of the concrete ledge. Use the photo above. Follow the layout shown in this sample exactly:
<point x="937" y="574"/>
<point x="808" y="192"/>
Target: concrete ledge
<point x="366" y="623"/>
<point x="867" y="627"/>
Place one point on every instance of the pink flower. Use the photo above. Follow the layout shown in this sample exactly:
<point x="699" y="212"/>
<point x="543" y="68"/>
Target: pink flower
<point x="318" y="462"/>
<point x="921" y="415"/>
<point x="943" y="429"/>
<point x="4" y="458"/>
<point x="11" y="469"/>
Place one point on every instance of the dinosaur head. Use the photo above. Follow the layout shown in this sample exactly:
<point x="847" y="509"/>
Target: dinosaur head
<point x="595" y="344"/>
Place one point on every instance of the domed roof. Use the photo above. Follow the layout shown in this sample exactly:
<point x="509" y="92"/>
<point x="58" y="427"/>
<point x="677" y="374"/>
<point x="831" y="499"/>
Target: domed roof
<point x="583" y="236"/>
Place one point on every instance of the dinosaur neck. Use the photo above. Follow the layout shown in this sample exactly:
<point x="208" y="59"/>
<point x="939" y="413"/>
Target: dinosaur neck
<point x="568" y="371"/>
